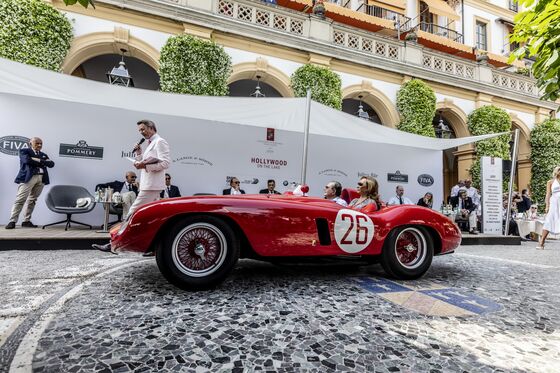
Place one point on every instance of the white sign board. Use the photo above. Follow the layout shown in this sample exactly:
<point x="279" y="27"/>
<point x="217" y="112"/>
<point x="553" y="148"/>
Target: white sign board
<point x="491" y="182"/>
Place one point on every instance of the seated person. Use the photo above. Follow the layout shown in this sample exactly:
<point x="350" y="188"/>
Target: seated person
<point x="368" y="189"/>
<point x="270" y="189"/>
<point x="466" y="209"/>
<point x="234" y="187"/>
<point x="513" y="229"/>
<point x="399" y="198"/>
<point x="170" y="191"/>
<point x="128" y="190"/>
<point x="427" y="200"/>
<point x="333" y="190"/>
<point x="533" y="213"/>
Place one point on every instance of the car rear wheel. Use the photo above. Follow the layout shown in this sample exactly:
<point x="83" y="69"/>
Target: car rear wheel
<point x="407" y="253"/>
<point x="198" y="252"/>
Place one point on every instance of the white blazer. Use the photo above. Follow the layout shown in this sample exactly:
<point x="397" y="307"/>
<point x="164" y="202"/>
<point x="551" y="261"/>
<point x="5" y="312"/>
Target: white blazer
<point x="153" y="176"/>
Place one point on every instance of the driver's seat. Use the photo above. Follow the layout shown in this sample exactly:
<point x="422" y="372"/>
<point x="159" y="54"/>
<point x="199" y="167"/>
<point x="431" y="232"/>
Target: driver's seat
<point x="349" y="194"/>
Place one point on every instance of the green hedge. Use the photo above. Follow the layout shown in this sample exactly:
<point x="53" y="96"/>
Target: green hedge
<point x="485" y="120"/>
<point x="545" y="155"/>
<point x="325" y="85"/>
<point x="416" y="102"/>
<point x="33" y="32"/>
<point x="194" y="66"/>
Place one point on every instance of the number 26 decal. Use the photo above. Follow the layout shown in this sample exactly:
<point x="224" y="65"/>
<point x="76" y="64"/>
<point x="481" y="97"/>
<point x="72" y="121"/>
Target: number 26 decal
<point x="353" y="230"/>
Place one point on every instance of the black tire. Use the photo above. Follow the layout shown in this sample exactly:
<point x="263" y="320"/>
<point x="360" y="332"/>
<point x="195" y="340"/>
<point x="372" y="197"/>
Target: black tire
<point x="198" y="252"/>
<point x="407" y="262"/>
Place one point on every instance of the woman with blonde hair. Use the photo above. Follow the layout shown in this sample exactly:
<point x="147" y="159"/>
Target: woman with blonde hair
<point x="552" y="201"/>
<point x="369" y="194"/>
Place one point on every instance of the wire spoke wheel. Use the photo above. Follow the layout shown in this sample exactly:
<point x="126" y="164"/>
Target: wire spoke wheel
<point x="410" y="248"/>
<point x="407" y="252"/>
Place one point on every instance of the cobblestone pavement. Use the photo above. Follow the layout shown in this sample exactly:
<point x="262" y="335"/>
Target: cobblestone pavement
<point x="83" y="311"/>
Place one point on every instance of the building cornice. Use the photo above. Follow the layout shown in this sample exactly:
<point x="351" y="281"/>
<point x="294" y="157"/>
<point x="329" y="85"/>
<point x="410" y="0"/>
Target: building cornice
<point x="492" y="8"/>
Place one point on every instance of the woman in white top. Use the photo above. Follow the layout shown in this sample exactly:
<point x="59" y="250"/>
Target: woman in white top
<point x="552" y="200"/>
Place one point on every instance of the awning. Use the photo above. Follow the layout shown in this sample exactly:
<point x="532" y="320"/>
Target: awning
<point x="393" y="6"/>
<point x="441" y="8"/>
<point x="506" y="21"/>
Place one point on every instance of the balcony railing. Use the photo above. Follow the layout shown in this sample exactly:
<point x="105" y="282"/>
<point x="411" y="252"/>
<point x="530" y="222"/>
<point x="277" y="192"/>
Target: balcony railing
<point x="379" y="12"/>
<point x="441" y="31"/>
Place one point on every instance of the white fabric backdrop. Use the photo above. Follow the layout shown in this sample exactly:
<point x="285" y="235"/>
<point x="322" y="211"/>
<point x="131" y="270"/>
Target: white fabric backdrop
<point x="210" y="138"/>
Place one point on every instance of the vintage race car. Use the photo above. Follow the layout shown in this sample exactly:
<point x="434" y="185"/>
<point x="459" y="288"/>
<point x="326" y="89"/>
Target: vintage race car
<point x="198" y="240"/>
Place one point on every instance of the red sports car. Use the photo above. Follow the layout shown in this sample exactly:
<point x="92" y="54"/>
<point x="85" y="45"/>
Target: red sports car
<point x="198" y="240"/>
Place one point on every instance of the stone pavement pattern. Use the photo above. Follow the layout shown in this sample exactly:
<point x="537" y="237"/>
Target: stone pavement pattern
<point x="268" y="317"/>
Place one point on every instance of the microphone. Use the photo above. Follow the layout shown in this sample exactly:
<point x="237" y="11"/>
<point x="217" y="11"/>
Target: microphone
<point x="139" y="143"/>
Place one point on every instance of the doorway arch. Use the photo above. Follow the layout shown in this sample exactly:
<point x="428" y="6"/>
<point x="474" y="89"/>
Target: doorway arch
<point x="269" y="75"/>
<point x="88" y="46"/>
<point x="377" y="100"/>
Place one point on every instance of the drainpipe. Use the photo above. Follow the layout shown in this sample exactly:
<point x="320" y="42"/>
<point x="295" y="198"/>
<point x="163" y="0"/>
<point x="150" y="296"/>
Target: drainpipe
<point x="463" y="20"/>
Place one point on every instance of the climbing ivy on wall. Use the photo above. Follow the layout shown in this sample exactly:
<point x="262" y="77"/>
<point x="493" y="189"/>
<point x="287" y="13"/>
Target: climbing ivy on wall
<point x="416" y="102"/>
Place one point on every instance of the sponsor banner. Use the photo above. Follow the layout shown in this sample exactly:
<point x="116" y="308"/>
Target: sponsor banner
<point x="81" y="150"/>
<point x="333" y="172"/>
<point x="191" y="160"/>
<point x="492" y="205"/>
<point x="269" y="163"/>
<point x="425" y="180"/>
<point x="203" y="153"/>
<point x="397" y="177"/>
<point x="11" y="145"/>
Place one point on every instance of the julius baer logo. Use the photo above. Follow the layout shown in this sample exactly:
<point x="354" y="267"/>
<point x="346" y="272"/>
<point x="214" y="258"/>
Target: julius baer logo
<point x="11" y="145"/>
<point x="81" y="150"/>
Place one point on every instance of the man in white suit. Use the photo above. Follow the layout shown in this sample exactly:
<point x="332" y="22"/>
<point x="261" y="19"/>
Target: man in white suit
<point x="152" y="163"/>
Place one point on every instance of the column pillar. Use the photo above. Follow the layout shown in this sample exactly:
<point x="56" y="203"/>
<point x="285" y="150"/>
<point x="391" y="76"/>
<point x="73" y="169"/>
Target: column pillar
<point x="466" y="156"/>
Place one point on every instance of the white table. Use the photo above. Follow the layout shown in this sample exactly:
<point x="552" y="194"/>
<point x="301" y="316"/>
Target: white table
<point x="532" y="226"/>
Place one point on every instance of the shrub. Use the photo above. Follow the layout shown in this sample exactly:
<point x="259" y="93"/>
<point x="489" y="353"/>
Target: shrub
<point x="545" y="155"/>
<point x="324" y="83"/>
<point x="33" y="32"/>
<point x="416" y="102"/>
<point x="485" y="120"/>
<point x="194" y="66"/>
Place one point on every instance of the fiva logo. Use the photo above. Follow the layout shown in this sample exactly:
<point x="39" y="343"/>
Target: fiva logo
<point x="11" y="145"/>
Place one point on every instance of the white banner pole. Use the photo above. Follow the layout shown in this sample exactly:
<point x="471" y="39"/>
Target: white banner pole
<point x="306" y="136"/>
<point x="511" y="177"/>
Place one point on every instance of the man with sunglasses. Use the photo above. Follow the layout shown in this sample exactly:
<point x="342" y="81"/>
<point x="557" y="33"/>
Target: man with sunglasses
<point x="333" y="190"/>
<point x="170" y="191"/>
<point x="234" y="188"/>
<point x="271" y="188"/>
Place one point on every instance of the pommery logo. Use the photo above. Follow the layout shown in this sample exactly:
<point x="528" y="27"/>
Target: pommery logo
<point x="81" y="150"/>
<point x="11" y="145"/>
<point x="397" y="177"/>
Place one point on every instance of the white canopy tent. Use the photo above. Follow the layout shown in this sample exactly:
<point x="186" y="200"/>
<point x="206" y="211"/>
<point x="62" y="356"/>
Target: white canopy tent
<point x="211" y="138"/>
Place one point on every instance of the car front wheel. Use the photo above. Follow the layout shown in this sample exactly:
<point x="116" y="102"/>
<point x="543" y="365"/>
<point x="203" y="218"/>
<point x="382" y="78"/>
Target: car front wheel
<point x="407" y="253"/>
<point x="198" y="252"/>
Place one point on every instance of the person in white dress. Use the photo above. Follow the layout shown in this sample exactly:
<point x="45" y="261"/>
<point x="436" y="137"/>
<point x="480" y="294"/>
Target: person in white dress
<point x="552" y="200"/>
